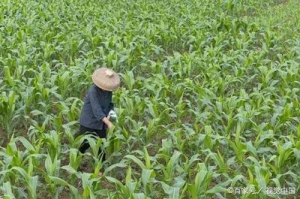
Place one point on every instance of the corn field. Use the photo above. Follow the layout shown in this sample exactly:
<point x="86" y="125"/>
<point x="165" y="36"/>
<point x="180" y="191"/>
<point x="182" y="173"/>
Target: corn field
<point x="208" y="105"/>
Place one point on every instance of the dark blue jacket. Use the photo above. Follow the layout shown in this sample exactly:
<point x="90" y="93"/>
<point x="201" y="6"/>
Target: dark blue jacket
<point x="97" y="104"/>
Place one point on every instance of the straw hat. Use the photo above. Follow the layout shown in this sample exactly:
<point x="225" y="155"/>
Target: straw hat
<point x="106" y="79"/>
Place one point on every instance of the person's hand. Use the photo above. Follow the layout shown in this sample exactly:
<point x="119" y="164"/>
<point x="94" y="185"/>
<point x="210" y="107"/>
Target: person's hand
<point x="110" y="125"/>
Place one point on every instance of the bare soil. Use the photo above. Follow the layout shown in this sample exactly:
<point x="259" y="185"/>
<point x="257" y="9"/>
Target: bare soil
<point x="3" y="137"/>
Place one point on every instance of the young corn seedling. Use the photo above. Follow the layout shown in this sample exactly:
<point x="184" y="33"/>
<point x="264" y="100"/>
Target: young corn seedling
<point x="7" y="111"/>
<point x="202" y="180"/>
<point x="284" y="155"/>
<point x="52" y="140"/>
<point x="74" y="158"/>
<point x="31" y="182"/>
<point x="63" y="80"/>
<point x="172" y="192"/>
<point x="237" y="145"/>
<point x="52" y="168"/>
<point x="87" y="185"/>
<point x="169" y="170"/>
<point x="58" y="181"/>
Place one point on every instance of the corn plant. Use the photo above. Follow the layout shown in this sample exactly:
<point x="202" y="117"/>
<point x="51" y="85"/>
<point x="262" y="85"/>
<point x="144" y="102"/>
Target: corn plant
<point x="7" y="108"/>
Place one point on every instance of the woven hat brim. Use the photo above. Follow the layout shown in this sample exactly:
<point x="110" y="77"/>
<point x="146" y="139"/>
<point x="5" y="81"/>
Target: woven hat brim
<point x="106" y="79"/>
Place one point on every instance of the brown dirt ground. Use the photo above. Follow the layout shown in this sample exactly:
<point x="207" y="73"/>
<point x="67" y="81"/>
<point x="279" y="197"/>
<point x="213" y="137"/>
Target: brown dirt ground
<point x="3" y="137"/>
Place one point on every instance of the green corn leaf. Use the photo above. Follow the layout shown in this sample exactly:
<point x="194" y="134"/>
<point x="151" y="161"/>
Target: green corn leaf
<point x="146" y="174"/>
<point x="8" y="76"/>
<point x="49" y="165"/>
<point x="136" y="160"/>
<point x="62" y="182"/>
<point x="147" y="159"/>
<point x="140" y="196"/>
<point x="7" y="190"/>
<point x="70" y="170"/>
<point x="128" y="175"/>
<point x="172" y="163"/>
<point x="26" y="143"/>
<point x="114" y="166"/>
<point x="216" y="189"/>
<point x="174" y="193"/>
<point x="33" y="183"/>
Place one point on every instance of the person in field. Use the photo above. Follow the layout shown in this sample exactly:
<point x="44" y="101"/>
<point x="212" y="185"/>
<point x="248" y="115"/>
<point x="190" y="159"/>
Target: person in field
<point x="98" y="105"/>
